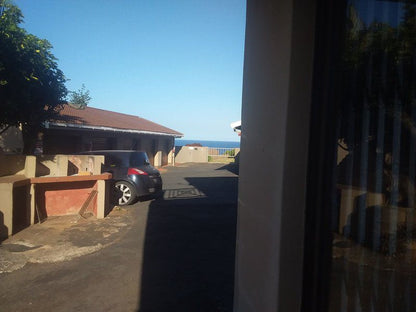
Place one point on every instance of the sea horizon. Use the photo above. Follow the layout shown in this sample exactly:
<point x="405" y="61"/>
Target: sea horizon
<point x="209" y="143"/>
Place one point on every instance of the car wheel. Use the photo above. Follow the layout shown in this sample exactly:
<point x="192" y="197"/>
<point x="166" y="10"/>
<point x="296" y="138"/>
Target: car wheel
<point x="126" y="193"/>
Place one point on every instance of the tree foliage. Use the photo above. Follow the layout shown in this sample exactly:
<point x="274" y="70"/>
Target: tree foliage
<point x="32" y="87"/>
<point x="378" y="73"/>
<point x="79" y="98"/>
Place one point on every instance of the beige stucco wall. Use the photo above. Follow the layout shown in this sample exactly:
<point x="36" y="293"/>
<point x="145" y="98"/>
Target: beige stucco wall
<point x="12" y="164"/>
<point x="17" y="164"/>
<point x="6" y="210"/>
<point x="191" y="154"/>
<point x="15" y="212"/>
<point x="157" y="162"/>
<point x="171" y="157"/>
<point x="13" y="169"/>
<point x="17" y="203"/>
<point x="63" y="165"/>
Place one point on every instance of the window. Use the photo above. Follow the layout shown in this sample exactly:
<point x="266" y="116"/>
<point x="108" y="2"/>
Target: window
<point x="366" y="203"/>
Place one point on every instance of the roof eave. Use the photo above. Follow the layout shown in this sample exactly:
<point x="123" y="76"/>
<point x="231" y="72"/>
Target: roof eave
<point x="55" y="125"/>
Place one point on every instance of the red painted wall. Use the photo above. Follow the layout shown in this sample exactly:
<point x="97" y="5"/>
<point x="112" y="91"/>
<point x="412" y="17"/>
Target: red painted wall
<point x="57" y="199"/>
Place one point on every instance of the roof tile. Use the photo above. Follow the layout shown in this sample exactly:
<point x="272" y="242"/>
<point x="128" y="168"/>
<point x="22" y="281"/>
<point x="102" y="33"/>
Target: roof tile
<point x="103" y="118"/>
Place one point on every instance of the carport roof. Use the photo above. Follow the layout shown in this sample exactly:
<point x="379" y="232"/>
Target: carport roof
<point x="99" y="119"/>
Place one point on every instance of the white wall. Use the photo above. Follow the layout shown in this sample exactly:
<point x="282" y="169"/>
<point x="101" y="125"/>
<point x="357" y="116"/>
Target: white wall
<point x="273" y="163"/>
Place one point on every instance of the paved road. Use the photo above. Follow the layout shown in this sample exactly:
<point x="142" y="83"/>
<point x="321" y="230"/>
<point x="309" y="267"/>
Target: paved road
<point x="177" y="255"/>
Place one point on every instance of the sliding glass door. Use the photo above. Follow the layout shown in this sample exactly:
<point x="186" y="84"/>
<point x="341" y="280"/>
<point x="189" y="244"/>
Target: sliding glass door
<point x="366" y="78"/>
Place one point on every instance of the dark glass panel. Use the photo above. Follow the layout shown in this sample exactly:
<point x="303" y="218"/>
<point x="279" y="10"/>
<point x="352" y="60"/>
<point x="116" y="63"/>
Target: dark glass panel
<point x="373" y="209"/>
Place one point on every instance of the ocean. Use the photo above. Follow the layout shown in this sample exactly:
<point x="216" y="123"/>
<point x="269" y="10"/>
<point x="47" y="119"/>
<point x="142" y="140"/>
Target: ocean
<point x="229" y="144"/>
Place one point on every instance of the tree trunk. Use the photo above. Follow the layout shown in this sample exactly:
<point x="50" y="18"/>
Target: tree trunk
<point x="29" y="135"/>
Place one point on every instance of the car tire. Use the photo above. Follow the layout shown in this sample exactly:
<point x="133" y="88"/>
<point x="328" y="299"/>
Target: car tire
<point x="126" y="193"/>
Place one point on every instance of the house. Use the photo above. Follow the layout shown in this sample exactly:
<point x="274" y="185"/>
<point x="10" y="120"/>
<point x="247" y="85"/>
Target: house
<point x="97" y="129"/>
<point x="78" y="130"/>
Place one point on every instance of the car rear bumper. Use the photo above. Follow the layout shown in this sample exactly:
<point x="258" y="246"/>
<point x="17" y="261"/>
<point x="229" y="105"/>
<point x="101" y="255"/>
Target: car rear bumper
<point x="148" y="185"/>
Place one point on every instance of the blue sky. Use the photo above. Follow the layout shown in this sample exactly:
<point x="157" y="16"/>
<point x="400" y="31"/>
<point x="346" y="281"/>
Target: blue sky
<point x="385" y="11"/>
<point x="177" y="63"/>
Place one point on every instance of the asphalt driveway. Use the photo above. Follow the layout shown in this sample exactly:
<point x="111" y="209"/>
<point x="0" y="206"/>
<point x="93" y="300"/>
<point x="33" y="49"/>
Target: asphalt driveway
<point x="175" y="254"/>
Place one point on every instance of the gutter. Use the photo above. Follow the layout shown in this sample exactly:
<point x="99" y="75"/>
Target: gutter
<point x="68" y="125"/>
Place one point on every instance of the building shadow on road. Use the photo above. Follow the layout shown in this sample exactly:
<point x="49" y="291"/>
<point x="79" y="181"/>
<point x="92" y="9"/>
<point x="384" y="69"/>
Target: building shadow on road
<point x="232" y="167"/>
<point x="189" y="248"/>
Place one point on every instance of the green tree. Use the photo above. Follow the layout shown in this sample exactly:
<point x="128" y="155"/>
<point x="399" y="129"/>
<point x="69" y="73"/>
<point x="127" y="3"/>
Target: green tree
<point x="32" y="87"/>
<point x="79" y="98"/>
<point x="230" y="153"/>
<point x="377" y="101"/>
<point x="378" y="73"/>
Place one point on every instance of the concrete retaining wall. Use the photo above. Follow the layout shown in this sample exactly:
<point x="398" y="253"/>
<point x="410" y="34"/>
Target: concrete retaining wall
<point x="186" y="154"/>
<point x="66" y="165"/>
<point x="15" y="172"/>
<point x="17" y="191"/>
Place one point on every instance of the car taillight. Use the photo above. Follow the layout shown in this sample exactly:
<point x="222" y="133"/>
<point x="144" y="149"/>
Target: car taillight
<point x="136" y="171"/>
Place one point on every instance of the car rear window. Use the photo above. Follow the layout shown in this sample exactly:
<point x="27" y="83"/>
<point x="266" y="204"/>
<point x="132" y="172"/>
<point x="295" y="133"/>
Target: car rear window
<point x="138" y="159"/>
<point x="114" y="160"/>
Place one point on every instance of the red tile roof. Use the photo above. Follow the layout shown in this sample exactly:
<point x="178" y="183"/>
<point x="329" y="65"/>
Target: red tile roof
<point x="93" y="117"/>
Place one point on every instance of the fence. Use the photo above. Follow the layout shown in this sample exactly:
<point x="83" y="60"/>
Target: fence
<point x="222" y="154"/>
<point x="186" y="154"/>
<point x="225" y="152"/>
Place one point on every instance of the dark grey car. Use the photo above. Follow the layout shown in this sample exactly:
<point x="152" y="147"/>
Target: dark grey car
<point x="132" y="174"/>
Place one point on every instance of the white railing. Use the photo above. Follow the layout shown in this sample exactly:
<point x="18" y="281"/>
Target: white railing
<point x="197" y="154"/>
<point x="225" y="152"/>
